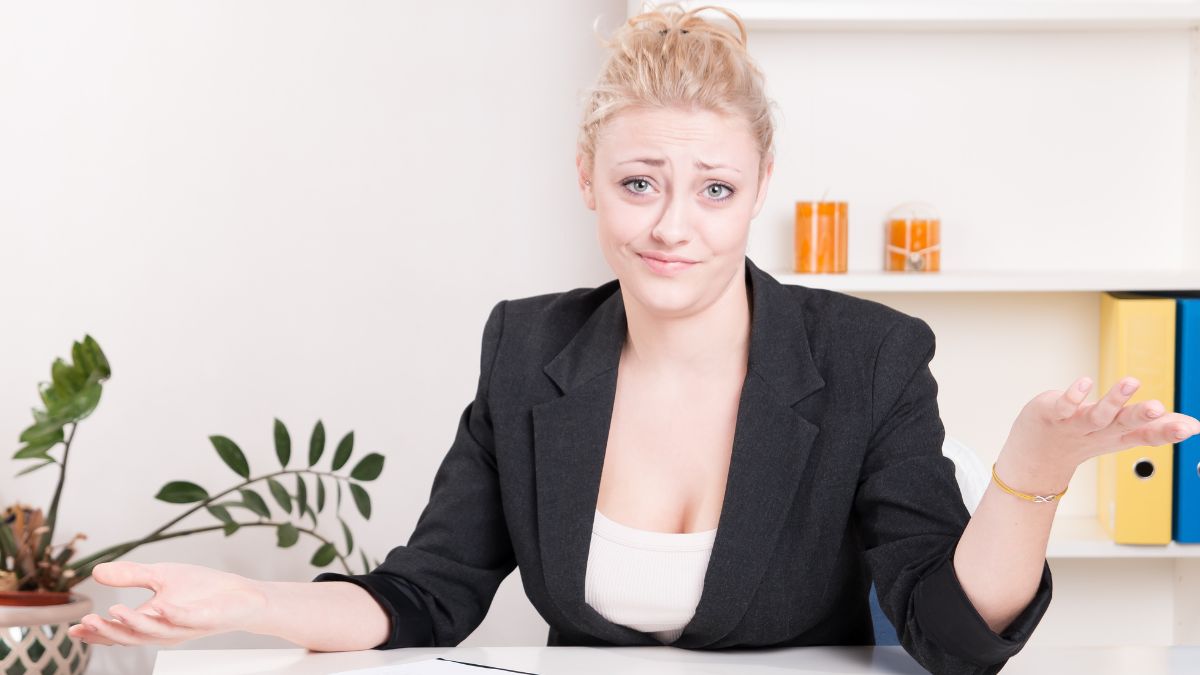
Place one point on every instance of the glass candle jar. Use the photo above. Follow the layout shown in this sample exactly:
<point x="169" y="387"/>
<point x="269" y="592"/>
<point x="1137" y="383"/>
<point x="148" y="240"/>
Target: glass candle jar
<point x="821" y="237"/>
<point x="912" y="239"/>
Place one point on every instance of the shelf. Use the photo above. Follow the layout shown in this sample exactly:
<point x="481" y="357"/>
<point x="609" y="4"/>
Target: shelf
<point x="882" y="15"/>
<point x="999" y="281"/>
<point x="1082" y="537"/>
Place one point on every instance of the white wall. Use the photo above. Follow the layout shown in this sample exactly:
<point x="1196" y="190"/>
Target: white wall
<point x="292" y="209"/>
<point x="248" y="204"/>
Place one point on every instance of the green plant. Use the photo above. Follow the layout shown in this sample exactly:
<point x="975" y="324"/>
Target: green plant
<point x="29" y="562"/>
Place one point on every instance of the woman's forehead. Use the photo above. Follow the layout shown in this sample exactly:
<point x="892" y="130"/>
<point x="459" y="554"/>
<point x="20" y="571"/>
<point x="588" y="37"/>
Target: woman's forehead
<point x="711" y="138"/>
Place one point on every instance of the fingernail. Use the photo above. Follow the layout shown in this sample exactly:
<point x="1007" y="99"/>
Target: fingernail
<point x="1181" y="434"/>
<point x="1085" y="385"/>
<point x="1128" y="388"/>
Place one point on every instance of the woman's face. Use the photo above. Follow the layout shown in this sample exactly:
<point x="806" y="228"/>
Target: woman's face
<point x="675" y="183"/>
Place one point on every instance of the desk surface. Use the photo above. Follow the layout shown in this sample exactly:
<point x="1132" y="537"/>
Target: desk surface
<point x="670" y="661"/>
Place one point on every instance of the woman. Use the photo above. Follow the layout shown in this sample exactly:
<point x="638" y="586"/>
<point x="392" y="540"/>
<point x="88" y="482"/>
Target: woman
<point x="693" y="453"/>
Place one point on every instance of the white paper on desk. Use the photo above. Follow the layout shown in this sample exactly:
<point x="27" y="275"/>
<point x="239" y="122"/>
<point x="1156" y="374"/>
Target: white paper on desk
<point x="431" y="667"/>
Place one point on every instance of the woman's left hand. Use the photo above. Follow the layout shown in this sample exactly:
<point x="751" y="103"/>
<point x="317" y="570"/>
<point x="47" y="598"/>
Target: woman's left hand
<point x="1056" y="431"/>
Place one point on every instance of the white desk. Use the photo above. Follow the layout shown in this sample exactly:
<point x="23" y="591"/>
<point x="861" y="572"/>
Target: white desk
<point x="670" y="661"/>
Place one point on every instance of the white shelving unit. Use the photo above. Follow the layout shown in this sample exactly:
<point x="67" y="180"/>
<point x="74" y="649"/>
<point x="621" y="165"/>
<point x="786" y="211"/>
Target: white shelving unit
<point x="1010" y="281"/>
<point x="1084" y="179"/>
<point x="958" y="15"/>
<point x="1074" y="537"/>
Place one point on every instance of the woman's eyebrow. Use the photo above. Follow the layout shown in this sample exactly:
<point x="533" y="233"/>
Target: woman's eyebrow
<point x="653" y="161"/>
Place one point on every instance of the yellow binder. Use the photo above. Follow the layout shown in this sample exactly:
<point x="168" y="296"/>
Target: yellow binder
<point x="1134" y="492"/>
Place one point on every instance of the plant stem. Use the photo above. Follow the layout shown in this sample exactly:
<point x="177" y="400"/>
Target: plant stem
<point x="117" y="551"/>
<point x="52" y="516"/>
<point x="153" y="536"/>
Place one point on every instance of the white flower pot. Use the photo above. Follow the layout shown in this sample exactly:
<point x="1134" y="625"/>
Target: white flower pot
<point x="36" y="638"/>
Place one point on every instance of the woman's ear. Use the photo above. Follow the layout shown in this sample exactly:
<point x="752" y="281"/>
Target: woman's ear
<point x="585" y="183"/>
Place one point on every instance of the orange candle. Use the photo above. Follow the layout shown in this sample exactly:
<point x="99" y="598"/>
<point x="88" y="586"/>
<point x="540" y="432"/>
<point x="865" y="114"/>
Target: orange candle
<point x="821" y="237"/>
<point x="913" y="236"/>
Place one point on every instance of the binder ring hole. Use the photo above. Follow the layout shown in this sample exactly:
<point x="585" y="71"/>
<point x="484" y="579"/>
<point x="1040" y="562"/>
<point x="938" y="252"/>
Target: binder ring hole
<point x="1144" y="468"/>
<point x="1198" y="469"/>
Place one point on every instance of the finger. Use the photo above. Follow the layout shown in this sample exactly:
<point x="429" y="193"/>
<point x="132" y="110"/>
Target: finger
<point x="88" y="634"/>
<point x="1102" y="414"/>
<point x="116" y="631"/>
<point x="1068" y="403"/>
<point x="1134" y="416"/>
<point x="146" y="624"/>
<point x="1174" y="428"/>
<point x="123" y="573"/>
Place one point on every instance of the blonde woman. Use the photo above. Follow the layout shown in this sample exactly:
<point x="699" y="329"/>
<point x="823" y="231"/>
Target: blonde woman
<point x="692" y="454"/>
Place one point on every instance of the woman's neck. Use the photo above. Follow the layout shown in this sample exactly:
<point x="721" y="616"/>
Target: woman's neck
<point x="712" y="340"/>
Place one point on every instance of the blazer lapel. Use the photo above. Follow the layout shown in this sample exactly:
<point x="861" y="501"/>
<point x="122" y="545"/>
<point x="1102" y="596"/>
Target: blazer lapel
<point x="770" y="448"/>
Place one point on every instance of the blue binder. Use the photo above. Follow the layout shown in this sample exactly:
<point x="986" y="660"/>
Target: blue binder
<point x="1186" y="521"/>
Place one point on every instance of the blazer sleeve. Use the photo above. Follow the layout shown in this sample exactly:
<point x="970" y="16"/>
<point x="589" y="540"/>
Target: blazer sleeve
<point x="437" y="589"/>
<point x="911" y="514"/>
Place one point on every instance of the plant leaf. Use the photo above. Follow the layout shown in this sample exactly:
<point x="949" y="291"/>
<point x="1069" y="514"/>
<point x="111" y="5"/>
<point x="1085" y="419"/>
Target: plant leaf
<point x="316" y="443"/>
<point x="97" y="356"/>
<point x="344" y="448"/>
<point x="361" y="499"/>
<point x="230" y="528"/>
<point x="82" y="358"/>
<point x="301" y="496"/>
<point x="80" y="404"/>
<point x="50" y="431"/>
<point x="349" y="537"/>
<point x="286" y="535"/>
<point x="181" y="492"/>
<point x="283" y="444"/>
<point x="50" y="396"/>
<point x="366" y="563"/>
<point x="220" y="513"/>
<point x="255" y="502"/>
<point x="34" y="452"/>
<point x="368" y="468"/>
<point x="338" y="484"/>
<point x="35" y="467"/>
<point x="324" y="555"/>
<point x="232" y="455"/>
<point x="67" y="379"/>
<point x="280" y="494"/>
<point x="320" y="494"/>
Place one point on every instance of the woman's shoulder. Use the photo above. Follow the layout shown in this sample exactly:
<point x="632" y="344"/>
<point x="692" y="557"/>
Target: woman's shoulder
<point x="561" y="311"/>
<point x="834" y="315"/>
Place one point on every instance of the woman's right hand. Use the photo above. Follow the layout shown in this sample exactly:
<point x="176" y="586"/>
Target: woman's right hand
<point x="190" y="601"/>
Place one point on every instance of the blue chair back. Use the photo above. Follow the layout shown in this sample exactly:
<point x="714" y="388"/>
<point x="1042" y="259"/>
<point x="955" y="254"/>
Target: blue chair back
<point x="885" y="633"/>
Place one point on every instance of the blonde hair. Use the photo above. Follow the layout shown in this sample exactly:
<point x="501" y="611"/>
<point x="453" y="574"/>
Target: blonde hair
<point x="668" y="57"/>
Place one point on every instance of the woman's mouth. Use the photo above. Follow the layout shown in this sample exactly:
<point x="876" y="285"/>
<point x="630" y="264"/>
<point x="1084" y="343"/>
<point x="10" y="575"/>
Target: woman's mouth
<point x="664" y="268"/>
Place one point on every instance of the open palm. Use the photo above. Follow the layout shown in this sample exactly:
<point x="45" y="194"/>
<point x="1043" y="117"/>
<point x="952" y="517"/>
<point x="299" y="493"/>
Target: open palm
<point x="189" y="601"/>
<point x="1060" y="423"/>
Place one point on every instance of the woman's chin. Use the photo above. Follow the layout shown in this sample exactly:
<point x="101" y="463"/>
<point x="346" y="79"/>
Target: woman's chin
<point x="665" y="299"/>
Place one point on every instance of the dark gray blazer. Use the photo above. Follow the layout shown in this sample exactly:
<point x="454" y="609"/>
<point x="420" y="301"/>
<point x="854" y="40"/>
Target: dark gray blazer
<point x="836" y="479"/>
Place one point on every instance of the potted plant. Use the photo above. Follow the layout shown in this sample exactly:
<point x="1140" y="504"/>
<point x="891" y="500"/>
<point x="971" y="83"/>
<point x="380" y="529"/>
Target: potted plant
<point x="37" y="605"/>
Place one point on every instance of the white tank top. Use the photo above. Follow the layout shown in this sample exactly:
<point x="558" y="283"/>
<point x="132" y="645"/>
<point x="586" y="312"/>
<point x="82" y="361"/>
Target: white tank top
<point x="649" y="581"/>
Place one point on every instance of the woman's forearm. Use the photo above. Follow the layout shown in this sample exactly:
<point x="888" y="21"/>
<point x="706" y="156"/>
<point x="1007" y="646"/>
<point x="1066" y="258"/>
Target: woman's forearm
<point x="329" y="616"/>
<point x="1001" y="553"/>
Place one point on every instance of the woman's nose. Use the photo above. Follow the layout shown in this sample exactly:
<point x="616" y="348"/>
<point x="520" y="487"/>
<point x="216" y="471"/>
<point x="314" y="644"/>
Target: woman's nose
<point x="675" y="223"/>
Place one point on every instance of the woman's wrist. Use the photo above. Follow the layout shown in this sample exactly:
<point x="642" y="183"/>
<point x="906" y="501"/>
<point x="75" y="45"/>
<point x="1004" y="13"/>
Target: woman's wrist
<point x="1033" y="472"/>
<point x="260" y="619"/>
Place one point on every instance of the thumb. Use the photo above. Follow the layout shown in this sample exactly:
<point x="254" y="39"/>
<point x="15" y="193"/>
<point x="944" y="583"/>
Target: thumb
<point x="123" y="573"/>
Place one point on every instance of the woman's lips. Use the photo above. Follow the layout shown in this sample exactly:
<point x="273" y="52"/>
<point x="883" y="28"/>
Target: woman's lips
<point x="666" y="269"/>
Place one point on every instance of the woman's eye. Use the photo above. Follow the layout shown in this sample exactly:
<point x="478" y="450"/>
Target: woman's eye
<point x="714" y="191"/>
<point x="637" y="181"/>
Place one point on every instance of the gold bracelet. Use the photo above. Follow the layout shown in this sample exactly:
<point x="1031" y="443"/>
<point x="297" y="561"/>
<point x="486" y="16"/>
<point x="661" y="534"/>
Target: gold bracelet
<point x="1039" y="499"/>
